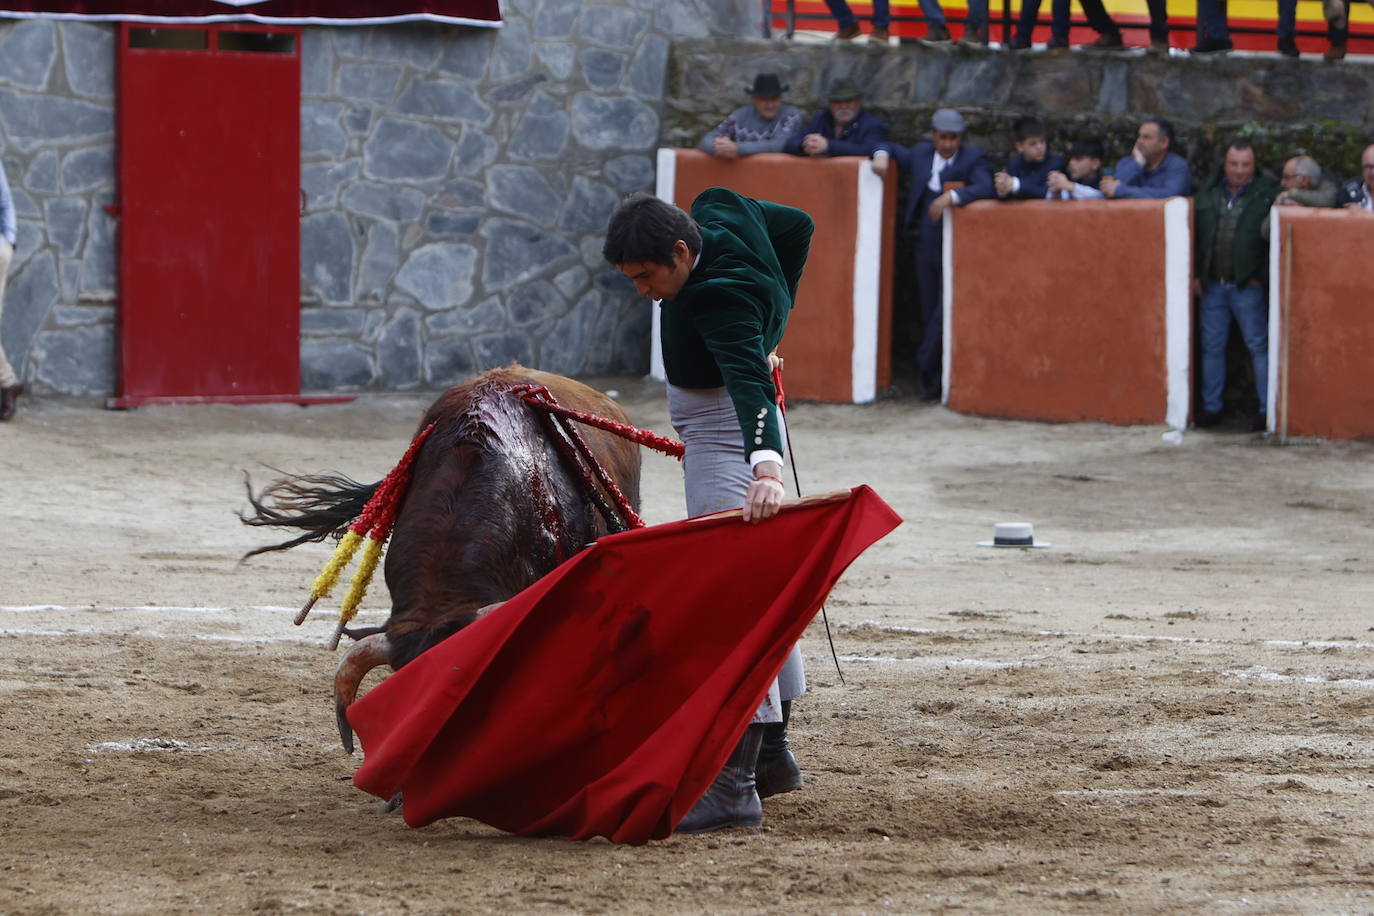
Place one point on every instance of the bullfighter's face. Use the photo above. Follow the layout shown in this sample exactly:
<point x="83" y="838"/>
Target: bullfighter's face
<point x="661" y="281"/>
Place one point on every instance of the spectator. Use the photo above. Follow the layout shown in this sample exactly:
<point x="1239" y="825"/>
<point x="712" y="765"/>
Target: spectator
<point x="944" y="172"/>
<point x="844" y="129"/>
<point x="1304" y="185"/>
<point x="1358" y="193"/>
<point x="1108" y="32"/>
<point x="10" y="387"/>
<point x="1029" y="170"/>
<point x="759" y="128"/>
<point x="1230" y="258"/>
<point x="1152" y="169"/>
<point x="1213" y="33"/>
<point x="1084" y="174"/>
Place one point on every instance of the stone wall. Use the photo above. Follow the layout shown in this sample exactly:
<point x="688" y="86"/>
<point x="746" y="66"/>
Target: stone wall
<point x="457" y="183"/>
<point x="1283" y="105"/>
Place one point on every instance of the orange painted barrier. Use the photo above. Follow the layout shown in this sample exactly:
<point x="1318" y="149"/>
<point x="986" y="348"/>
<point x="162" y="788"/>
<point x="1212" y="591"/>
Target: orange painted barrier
<point x="1069" y="310"/>
<point x="838" y="342"/>
<point x="1321" y="323"/>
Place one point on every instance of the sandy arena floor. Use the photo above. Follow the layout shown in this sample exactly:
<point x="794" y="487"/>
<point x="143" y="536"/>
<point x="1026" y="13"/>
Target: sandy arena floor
<point x="1168" y="711"/>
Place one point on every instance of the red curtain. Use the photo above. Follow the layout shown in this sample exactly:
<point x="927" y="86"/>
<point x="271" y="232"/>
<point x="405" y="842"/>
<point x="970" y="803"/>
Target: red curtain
<point x="295" y="12"/>
<point x="603" y="699"/>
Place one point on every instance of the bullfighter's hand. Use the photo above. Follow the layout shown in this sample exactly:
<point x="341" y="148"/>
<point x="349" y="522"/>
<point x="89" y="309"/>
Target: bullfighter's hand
<point x="938" y="205"/>
<point x="725" y="148"/>
<point x="774" y="361"/>
<point x="764" y="497"/>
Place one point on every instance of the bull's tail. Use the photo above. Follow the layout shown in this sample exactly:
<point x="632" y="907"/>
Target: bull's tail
<point x="320" y="504"/>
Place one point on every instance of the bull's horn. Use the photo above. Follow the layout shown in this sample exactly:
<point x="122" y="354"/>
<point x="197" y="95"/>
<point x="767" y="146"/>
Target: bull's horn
<point x="366" y="654"/>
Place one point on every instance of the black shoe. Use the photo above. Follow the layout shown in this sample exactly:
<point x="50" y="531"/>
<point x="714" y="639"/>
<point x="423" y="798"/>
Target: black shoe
<point x="1018" y="43"/>
<point x="1288" y="47"/>
<point x="1057" y="43"/>
<point x="1259" y="423"/>
<point x="1206" y="419"/>
<point x="1107" y="41"/>
<point x="9" y="401"/>
<point x="974" y="38"/>
<point x="935" y="35"/>
<point x="1212" y="46"/>
<point x="777" y="771"/>
<point x="732" y="800"/>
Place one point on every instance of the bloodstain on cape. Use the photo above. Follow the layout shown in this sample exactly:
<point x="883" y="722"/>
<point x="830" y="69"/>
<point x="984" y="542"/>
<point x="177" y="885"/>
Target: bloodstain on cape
<point x="603" y="699"/>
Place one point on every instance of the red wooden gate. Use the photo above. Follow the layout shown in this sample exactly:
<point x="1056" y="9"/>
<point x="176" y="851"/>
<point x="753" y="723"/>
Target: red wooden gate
<point x="209" y="185"/>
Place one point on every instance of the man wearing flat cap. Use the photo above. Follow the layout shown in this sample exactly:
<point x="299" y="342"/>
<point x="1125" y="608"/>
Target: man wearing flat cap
<point x="762" y="127"/>
<point x="843" y="129"/>
<point x="945" y="172"/>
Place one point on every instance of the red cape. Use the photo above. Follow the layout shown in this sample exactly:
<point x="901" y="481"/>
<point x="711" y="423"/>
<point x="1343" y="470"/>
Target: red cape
<point x="603" y="699"/>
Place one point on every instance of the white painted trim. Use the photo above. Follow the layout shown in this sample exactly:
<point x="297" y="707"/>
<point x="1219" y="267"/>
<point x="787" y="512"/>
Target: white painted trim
<point x="664" y="189"/>
<point x="252" y="17"/>
<point x="947" y="297"/>
<point x="1276" y="328"/>
<point x="1178" y="311"/>
<point x="868" y="267"/>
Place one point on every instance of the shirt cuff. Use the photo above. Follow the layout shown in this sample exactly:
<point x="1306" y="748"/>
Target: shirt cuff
<point x="954" y="197"/>
<point x="1015" y="185"/>
<point x="763" y="454"/>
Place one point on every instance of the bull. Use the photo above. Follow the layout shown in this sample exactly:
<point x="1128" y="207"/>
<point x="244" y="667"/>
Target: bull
<point x="493" y="504"/>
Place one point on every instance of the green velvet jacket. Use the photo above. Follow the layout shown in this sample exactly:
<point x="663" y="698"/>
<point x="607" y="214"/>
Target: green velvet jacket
<point x="732" y="311"/>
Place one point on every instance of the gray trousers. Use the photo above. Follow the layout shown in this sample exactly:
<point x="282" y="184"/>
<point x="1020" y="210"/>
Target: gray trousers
<point x="7" y="377"/>
<point x="716" y="475"/>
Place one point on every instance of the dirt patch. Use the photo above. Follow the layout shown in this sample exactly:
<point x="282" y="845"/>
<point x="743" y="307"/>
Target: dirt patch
<point x="1170" y="710"/>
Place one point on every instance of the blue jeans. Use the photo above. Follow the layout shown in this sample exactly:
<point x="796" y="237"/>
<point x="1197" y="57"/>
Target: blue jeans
<point x="1220" y="302"/>
<point x="1211" y="20"/>
<point x="881" y="17"/>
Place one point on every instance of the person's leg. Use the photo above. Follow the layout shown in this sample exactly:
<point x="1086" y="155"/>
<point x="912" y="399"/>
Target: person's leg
<point x="7" y="376"/>
<point x="1159" y="21"/>
<point x="882" y="16"/>
<point x="935" y="15"/>
<point x="1214" y="326"/>
<point x="1248" y="305"/>
<point x="1288" y="20"/>
<point x="929" y="288"/>
<point x="1025" y="23"/>
<point x="1098" y="17"/>
<point x="1212" y="20"/>
<point x="977" y="21"/>
<point x="715" y="477"/>
<point x="844" y="17"/>
<point x="1060" y="13"/>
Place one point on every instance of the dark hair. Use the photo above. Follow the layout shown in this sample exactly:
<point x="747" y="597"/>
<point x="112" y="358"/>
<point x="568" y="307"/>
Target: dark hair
<point x="1090" y="148"/>
<point x="1166" y="129"/>
<point x="1025" y="128"/>
<point x="644" y="228"/>
<point x="1240" y="145"/>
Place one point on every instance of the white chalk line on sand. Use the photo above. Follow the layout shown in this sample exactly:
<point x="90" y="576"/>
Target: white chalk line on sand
<point x="1123" y="637"/>
<point x="1260" y="673"/>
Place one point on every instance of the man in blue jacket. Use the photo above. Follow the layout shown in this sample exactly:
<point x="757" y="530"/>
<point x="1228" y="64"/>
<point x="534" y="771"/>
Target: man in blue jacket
<point x="944" y="173"/>
<point x="1153" y="169"/>
<point x="843" y="129"/>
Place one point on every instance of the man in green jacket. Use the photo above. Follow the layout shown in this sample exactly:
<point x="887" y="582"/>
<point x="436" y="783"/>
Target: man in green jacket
<point x="1230" y="259"/>
<point x="727" y="277"/>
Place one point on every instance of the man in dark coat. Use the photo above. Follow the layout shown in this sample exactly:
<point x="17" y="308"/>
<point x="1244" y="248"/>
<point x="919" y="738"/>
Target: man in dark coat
<point x="944" y="172"/>
<point x="842" y="129"/>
